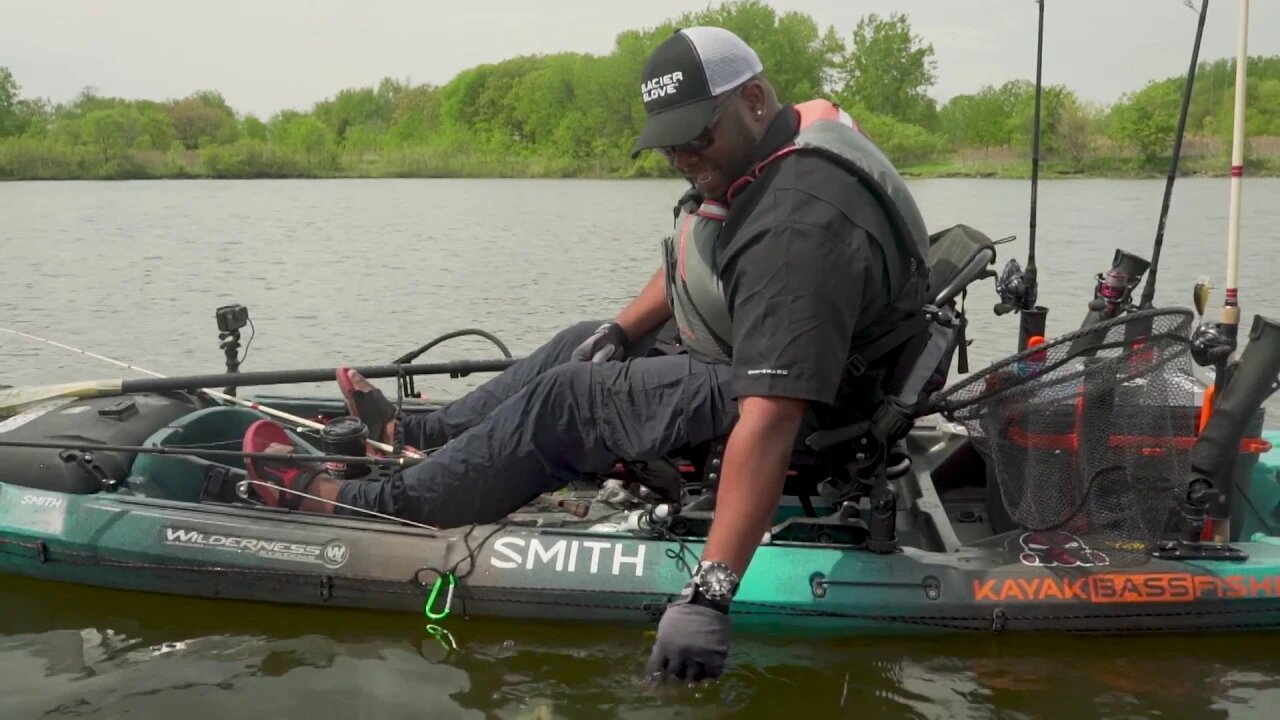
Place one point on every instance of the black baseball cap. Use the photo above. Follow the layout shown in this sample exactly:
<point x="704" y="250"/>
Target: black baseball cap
<point x="684" y="77"/>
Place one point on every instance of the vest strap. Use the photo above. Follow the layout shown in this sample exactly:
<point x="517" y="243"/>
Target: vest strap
<point x="902" y="332"/>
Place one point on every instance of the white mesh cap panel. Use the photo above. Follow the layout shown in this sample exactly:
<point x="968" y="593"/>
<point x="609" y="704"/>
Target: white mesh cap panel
<point x="728" y="60"/>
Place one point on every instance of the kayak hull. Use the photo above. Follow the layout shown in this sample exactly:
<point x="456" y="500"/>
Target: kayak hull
<point x="549" y="566"/>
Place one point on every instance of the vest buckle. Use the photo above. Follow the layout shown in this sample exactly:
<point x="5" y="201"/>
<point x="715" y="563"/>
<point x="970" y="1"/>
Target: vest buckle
<point x="857" y="365"/>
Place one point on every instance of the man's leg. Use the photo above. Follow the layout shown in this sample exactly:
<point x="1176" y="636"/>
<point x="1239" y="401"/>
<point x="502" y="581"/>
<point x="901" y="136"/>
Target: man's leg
<point x="569" y="421"/>
<point x="427" y="431"/>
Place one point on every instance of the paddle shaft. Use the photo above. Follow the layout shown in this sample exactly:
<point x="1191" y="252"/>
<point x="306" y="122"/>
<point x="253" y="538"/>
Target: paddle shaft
<point x="281" y="377"/>
<point x="161" y="383"/>
<point x="224" y="454"/>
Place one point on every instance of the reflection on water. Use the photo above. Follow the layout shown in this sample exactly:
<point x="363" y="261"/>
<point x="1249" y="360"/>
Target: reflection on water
<point x="97" y="653"/>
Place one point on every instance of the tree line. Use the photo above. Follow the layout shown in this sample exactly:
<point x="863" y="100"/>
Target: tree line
<point x="570" y="114"/>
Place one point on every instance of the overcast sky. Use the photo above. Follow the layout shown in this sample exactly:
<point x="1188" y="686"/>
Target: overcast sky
<point x="267" y="55"/>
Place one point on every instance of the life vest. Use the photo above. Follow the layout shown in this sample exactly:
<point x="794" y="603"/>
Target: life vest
<point x="694" y="289"/>
<point x="693" y="285"/>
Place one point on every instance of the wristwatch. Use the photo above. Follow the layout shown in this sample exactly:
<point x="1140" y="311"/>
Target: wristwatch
<point x="715" y="584"/>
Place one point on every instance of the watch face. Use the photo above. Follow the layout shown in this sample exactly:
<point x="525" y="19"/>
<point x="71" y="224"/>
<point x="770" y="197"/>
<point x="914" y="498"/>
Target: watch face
<point x="717" y="581"/>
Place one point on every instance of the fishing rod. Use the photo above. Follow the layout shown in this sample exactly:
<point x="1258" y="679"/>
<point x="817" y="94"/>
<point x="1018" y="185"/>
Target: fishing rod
<point x="1113" y="291"/>
<point x="1149" y="290"/>
<point x="1019" y="289"/>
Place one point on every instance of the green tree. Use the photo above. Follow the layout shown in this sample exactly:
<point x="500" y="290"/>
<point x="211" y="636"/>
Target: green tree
<point x="35" y="116"/>
<point x="356" y="107"/>
<point x="306" y="136"/>
<point x="10" y="120"/>
<point x="888" y="70"/>
<point x="1147" y="120"/>
<point x="253" y="129"/>
<point x="110" y="132"/>
<point x="196" y="121"/>
<point x="796" y="54"/>
<point x="1077" y="128"/>
<point x="415" y="116"/>
<point x="1020" y="126"/>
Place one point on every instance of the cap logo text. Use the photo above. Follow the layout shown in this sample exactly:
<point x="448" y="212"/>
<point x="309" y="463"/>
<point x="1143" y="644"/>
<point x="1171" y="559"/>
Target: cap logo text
<point x="660" y="86"/>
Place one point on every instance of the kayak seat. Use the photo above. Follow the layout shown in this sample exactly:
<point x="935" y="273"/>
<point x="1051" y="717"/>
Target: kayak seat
<point x="192" y="479"/>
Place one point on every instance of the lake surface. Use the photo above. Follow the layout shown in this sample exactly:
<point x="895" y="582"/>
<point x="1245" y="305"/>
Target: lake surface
<point x="358" y="272"/>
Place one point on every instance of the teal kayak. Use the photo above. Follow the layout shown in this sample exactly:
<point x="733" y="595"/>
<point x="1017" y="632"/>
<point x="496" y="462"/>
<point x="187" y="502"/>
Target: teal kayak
<point x="161" y="523"/>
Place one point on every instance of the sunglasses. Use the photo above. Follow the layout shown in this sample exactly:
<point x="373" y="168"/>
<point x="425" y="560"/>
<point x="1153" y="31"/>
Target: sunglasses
<point x="705" y="139"/>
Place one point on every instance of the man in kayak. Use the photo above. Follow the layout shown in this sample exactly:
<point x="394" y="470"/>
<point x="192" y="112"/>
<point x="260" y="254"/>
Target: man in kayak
<point x="796" y="265"/>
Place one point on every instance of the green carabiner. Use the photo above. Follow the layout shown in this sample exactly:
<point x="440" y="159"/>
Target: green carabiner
<point x="435" y="592"/>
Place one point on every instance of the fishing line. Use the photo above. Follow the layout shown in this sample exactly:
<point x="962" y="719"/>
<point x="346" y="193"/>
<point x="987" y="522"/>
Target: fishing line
<point x="96" y="356"/>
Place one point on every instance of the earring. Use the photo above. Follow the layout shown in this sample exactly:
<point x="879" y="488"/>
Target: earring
<point x="759" y="112"/>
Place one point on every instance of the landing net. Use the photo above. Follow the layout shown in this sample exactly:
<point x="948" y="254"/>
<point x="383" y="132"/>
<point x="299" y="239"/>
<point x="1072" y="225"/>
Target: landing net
<point x="1089" y="433"/>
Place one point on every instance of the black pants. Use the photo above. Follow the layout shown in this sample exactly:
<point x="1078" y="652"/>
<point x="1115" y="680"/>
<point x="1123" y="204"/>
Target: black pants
<point x="544" y="422"/>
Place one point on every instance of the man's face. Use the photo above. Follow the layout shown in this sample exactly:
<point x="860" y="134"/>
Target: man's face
<point x="721" y="154"/>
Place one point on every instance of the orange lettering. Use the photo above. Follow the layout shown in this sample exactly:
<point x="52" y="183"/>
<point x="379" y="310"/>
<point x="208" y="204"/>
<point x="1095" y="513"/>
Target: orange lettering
<point x="1078" y="589"/>
<point x="1126" y="588"/>
<point x="982" y="590"/>
<point x="1236" y="587"/>
<point x="1141" y="587"/>
<point x="1201" y="581"/>
<point x="1050" y="589"/>
<point x="1030" y="587"/>
<point x="1180" y="587"/>
<point x="1010" y="589"/>
<point x="1130" y="591"/>
<point x="1155" y="587"/>
<point x="1104" y="588"/>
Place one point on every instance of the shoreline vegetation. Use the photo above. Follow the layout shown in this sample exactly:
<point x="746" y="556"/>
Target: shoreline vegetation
<point x="574" y="115"/>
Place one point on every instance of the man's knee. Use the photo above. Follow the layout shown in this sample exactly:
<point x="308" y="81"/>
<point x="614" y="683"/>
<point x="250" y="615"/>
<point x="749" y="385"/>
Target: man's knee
<point x="564" y="385"/>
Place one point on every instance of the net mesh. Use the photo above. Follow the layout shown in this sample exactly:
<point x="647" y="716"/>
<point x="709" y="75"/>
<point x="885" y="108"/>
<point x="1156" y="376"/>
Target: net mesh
<point x="1090" y="433"/>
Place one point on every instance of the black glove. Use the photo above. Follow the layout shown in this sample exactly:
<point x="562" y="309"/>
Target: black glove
<point x="608" y="343"/>
<point x="692" y="643"/>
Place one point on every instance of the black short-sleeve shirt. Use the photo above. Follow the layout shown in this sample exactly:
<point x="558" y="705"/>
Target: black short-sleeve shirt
<point x="802" y="270"/>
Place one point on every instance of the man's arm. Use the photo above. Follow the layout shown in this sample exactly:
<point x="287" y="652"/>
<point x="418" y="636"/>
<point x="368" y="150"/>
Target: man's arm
<point x="798" y="292"/>
<point x="648" y="310"/>
<point x="755" y="465"/>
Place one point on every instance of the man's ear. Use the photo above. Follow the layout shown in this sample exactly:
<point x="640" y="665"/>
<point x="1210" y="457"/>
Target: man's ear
<point x="754" y="97"/>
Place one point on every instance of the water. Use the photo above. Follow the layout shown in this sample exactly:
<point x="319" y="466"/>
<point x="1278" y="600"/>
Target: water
<point x="358" y="272"/>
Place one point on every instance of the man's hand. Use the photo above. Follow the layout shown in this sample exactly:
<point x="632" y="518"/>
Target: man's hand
<point x="608" y="343"/>
<point x="693" y="638"/>
<point x="692" y="644"/>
